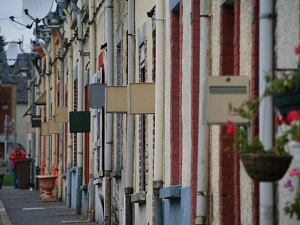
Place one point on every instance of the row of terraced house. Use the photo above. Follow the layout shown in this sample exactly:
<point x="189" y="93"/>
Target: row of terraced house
<point x="125" y="114"/>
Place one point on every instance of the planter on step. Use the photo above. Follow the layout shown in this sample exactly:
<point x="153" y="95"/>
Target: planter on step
<point x="47" y="183"/>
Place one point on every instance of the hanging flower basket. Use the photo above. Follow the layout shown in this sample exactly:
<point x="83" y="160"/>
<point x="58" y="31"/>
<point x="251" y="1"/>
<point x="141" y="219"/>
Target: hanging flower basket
<point x="265" y="167"/>
<point x="287" y="101"/>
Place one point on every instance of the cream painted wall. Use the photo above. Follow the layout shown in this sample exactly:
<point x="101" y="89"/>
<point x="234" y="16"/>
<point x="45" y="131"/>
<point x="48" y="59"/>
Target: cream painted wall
<point x="186" y="94"/>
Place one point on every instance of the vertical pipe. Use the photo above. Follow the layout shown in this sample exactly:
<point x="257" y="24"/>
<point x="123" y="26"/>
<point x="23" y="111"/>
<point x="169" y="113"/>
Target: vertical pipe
<point x="52" y="155"/>
<point x="70" y="108"/>
<point x="109" y="117"/>
<point x="79" y="108"/>
<point x="159" y="111"/>
<point x="202" y="166"/>
<point x="61" y="104"/>
<point x="265" y="109"/>
<point x="48" y="171"/>
<point x="91" y="191"/>
<point x="130" y="118"/>
<point x="47" y="147"/>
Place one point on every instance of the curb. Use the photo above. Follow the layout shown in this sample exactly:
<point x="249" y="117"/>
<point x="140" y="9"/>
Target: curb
<point x="3" y="215"/>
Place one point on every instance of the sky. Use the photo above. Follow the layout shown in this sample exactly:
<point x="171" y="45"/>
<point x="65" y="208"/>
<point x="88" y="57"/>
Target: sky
<point x="13" y="31"/>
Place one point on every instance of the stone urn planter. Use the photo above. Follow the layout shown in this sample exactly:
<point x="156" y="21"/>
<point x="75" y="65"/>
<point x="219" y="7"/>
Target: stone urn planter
<point x="47" y="183"/>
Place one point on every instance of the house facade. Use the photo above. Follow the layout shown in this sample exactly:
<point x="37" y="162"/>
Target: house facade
<point x="122" y="162"/>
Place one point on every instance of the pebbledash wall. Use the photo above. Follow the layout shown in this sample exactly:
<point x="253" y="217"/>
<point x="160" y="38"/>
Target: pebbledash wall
<point x="236" y="18"/>
<point x="287" y="36"/>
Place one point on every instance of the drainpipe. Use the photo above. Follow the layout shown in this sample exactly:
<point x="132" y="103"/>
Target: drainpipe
<point x="109" y="116"/>
<point x="79" y="108"/>
<point x="202" y="165"/>
<point x="159" y="111"/>
<point x="48" y="171"/>
<point x="266" y="189"/>
<point x="53" y="150"/>
<point x="91" y="187"/>
<point x="130" y="118"/>
<point x="61" y="104"/>
<point x="70" y="108"/>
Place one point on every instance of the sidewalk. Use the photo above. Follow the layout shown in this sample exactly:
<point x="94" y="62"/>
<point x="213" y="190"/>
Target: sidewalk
<point x="23" y="207"/>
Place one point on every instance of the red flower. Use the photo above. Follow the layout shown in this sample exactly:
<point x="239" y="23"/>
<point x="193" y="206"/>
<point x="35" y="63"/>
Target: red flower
<point x="230" y="130"/>
<point x="284" y="120"/>
<point x="297" y="49"/>
<point x="278" y="120"/>
<point x="228" y="121"/>
<point x="292" y="116"/>
<point x="293" y="172"/>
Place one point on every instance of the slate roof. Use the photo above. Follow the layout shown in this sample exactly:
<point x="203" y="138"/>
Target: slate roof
<point x="16" y="74"/>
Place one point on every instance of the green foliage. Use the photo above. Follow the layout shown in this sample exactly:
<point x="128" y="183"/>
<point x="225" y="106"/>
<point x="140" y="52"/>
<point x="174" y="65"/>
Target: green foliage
<point x="285" y="82"/>
<point x="294" y="132"/>
<point x="242" y="145"/>
<point x="292" y="208"/>
<point x="249" y="108"/>
<point x="8" y="180"/>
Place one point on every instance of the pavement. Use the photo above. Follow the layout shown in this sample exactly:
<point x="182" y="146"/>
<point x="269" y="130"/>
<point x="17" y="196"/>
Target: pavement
<point x="23" y="207"/>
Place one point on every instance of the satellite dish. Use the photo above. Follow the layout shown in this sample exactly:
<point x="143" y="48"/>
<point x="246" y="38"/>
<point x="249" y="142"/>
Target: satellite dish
<point x="12" y="53"/>
<point x="37" y="9"/>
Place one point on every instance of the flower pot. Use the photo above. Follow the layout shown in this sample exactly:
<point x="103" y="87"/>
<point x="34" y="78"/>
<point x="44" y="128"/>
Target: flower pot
<point x="47" y="183"/>
<point x="265" y="167"/>
<point x="287" y="101"/>
<point x="295" y="151"/>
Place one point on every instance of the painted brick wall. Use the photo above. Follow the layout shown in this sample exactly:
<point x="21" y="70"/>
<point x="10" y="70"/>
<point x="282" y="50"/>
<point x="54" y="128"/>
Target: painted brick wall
<point x="255" y="92"/>
<point x="229" y="165"/>
<point x="174" y="97"/>
<point x="195" y="74"/>
<point x="180" y="89"/>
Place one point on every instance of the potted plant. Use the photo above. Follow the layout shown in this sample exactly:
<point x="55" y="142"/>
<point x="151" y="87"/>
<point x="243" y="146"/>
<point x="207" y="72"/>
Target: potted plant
<point x="262" y="165"/>
<point x="285" y="91"/>
<point x="285" y="88"/>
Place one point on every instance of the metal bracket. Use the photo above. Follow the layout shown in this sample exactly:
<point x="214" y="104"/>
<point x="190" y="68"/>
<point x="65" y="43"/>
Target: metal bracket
<point x="202" y="193"/>
<point x="205" y="15"/>
<point x="266" y="16"/>
<point x="84" y="53"/>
